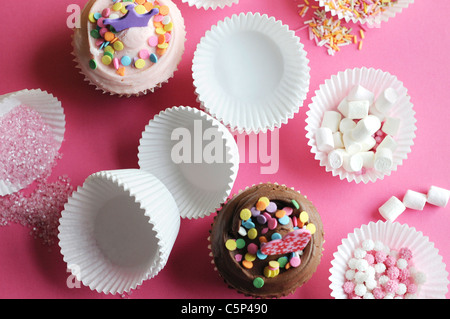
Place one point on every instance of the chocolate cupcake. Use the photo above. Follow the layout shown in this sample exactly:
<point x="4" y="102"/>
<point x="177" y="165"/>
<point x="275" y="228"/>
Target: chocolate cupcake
<point x="267" y="241"/>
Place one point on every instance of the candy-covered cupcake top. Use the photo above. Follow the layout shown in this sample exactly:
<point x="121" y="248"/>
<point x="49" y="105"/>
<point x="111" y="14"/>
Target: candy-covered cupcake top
<point x="129" y="34"/>
<point x="267" y="241"/>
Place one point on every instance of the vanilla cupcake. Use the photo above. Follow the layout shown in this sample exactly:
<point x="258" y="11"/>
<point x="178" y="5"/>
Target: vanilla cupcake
<point x="129" y="49"/>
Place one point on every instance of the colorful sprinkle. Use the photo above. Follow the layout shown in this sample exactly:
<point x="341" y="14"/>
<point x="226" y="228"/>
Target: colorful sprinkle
<point x="258" y="282"/>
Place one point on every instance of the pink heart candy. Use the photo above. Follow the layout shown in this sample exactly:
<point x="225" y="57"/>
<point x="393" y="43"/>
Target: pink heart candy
<point x="294" y="241"/>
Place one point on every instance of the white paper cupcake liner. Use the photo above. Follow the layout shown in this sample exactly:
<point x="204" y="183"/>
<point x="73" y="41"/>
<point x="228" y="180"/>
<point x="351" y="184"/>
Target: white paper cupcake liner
<point x="426" y="257"/>
<point x="118" y="229"/>
<point x="251" y="73"/>
<point x="51" y="112"/>
<point x="331" y="93"/>
<point x="210" y="4"/>
<point x="198" y="188"/>
<point x="371" y="21"/>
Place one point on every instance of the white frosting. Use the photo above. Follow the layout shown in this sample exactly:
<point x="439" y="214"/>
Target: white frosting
<point x="135" y="81"/>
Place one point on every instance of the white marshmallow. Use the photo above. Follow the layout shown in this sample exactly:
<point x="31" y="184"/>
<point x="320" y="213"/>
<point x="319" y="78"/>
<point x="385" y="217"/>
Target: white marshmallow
<point x="386" y="100"/>
<point x="336" y="158"/>
<point x="367" y="144"/>
<point x="391" y="126"/>
<point x="337" y="138"/>
<point x="388" y="142"/>
<point x="358" y="109"/>
<point x="383" y="160"/>
<point x="358" y="92"/>
<point x="343" y="107"/>
<point x="366" y="127"/>
<point x="368" y="159"/>
<point x="351" y="146"/>
<point x="331" y="119"/>
<point x="438" y="196"/>
<point x="391" y="209"/>
<point x="324" y="139"/>
<point x="353" y="163"/>
<point x="346" y="125"/>
<point x="414" y="200"/>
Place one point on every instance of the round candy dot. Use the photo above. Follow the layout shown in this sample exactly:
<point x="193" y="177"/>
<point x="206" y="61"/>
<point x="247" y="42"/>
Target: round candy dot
<point x="311" y="227"/>
<point x="106" y="60"/>
<point x="92" y="18"/>
<point x="255" y="212"/>
<point x="252" y="233"/>
<point x="249" y="257"/>
<point x="271" y="208"/>
<point x="158" y="18"/>
<point x="97" y="15"/>
<point x="280" y="213"/>
<point x="140" y="9"/>
<point x="93" y="64"/>
<point x="230" y="244"/>
<point x="168" y="27"/>
<point x="276" y="236"/>
<point x="100" y="22"/>
<point x="95" y="34"/>
<point x="144" y="54"/>
<point x="109" y="36"/>
<point x="139" y="64"/>
<point x="304" y="217"/>
<point x="126" y="60"/>
<point x="273" y="264"/>
<point x="160" y="31"/>
<point x="284" y="220"/>
<point x="295" y="261"/>
<point x="248" y="224"/>
<point x="245" y="214"/>
<point x="238" y="257"/>
<point x="261" y="219"/>
<point x="258" y="282"/>
<point x="247" y="264"/>
<point x="106" y="12"/>
<point x="153" y="58"/>
<point x="153" y="41"/>
<point x="164" y="10"/>
<point x="282" y="261"/>
<point x="117" y="6"/>
<point x="242" y="231"/>
<point x="252" y="248"/>
<point x="272" y="223"/>
<point x="109" y="49"/>
<point x="260" y="255"/>
<point x="240" y="243"/>
<point x="109" y="54"/>
<point x="288" y="210"/>
<point x="118" y="45"/>
<point x="262" y="203"/>
<point x="166" y="20"/>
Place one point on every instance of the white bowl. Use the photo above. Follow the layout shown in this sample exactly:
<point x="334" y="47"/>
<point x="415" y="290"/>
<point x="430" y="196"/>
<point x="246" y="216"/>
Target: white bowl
<point x="251" y="73"/>
<point x="426" y="257"/>
<point x="118" y="229"/>
<point x="198" y="184"/>
<point x="335" y="89"/>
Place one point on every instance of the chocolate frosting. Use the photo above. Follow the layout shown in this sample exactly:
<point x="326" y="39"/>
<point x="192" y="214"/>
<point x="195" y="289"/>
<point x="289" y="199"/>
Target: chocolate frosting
<point x="226" y="226"/>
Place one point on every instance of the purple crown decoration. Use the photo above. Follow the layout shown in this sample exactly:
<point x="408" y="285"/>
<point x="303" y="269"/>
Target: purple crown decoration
<point x="131" y="19"/>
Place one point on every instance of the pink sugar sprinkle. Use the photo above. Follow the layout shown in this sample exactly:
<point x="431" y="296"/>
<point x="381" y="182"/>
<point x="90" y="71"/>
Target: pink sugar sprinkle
<point x="390" y="261"/>
<point x="393" y="272"/>
<point x="412" y="288"/>
<point x="380" y="256"/>
<point x="403" y="275"/>
<point x="391" y="286"/>
<point x="378" y="293"/>
<point x="348" y="287"/>
<point x="27" y="146"/>
<point x="370" y="259"/>
<point x="405" y="253"/>
<point x="38" y="210"/>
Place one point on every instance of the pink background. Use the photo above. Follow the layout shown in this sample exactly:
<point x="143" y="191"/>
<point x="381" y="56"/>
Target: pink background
<point x="103" y="133"/>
